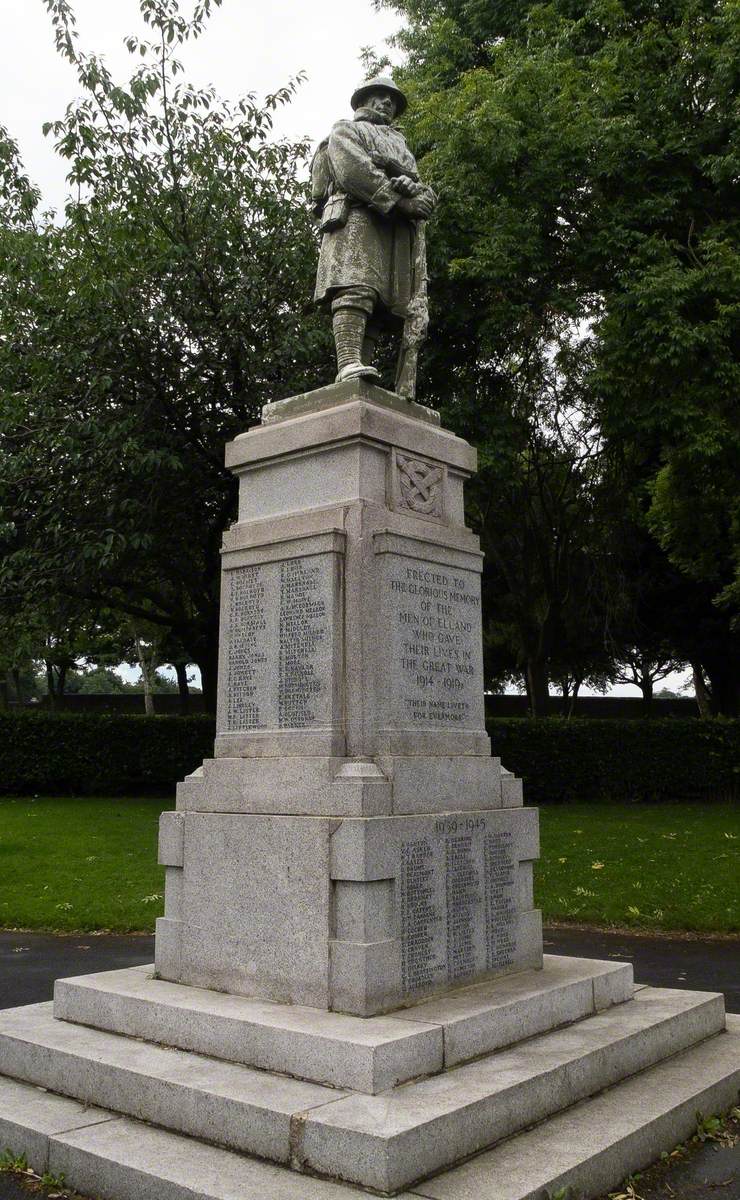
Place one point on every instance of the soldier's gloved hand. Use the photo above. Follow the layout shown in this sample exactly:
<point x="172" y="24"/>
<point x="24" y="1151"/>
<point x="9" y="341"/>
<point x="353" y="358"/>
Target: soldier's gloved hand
<point x="407" y="186"/>
<point x="416" y="207"/>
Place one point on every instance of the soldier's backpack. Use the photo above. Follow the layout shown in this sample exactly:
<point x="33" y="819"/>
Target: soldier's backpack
<point x="332" y="208"/>
<point x="321" y="180"/>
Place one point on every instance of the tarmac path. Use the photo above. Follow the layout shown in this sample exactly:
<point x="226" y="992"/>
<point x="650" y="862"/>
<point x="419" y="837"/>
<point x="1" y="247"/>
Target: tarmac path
<point x="30" y="962"/>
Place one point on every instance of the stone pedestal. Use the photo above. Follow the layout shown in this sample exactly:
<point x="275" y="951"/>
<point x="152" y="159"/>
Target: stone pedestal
<point x="350" y="997"/>
<point x="353" y="845"/>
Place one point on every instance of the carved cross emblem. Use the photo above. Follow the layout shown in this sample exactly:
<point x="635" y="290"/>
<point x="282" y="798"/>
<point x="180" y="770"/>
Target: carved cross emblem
<point x="421" y="485"/>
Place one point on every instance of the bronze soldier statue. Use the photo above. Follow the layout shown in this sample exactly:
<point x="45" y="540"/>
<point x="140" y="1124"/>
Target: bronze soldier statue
<point x="372" y="206"/>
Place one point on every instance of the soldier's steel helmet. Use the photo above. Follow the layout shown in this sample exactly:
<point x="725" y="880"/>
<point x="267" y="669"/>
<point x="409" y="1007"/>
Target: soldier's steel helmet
<point x="379" y="81"/>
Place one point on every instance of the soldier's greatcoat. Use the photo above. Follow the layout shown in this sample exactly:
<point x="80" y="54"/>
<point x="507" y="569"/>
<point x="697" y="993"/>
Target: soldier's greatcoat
<point x="374" y="247"/>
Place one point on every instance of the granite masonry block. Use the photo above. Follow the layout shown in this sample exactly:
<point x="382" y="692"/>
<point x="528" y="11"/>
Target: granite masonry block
<point x="256" y="906"/>
<point x="389" y="1141"/>
<point x="613" y="987"/>
<point x="132" y="1161"/>
<point x="173" y="889"/>
<point x="217" y="1101"/>
<point x="370" y="849"/>
<point x="365" y="976"/>
<point x="168" y="947"/>
<point x="30" y="1116"/>
<point x="289" y="786"/>
<point x="488" y="1016"/>
<point x="331" y="1048"/>
<point x="591" y="1148"/>
<point x="171" y="839"/>
<point x="335" y="394"/>
<point x="356" y="418"/>
<point x="364" y="912"/>
<point x="525" y="885"/>
<point x="336" y="1049"/>
<point x="439" y="783"/>
<point x="511" y="790"/>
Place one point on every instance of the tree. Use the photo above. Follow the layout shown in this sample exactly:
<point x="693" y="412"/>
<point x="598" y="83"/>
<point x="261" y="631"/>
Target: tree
<point x="585" y="154"/>
<point x="533" y="503"/>
<point x="644" y="670"/>
<point x="144" y="331"/>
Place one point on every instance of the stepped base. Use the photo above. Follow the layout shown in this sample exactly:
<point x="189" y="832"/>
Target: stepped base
<point x="589" y="1148"/>
<point x="550" y="1044"/>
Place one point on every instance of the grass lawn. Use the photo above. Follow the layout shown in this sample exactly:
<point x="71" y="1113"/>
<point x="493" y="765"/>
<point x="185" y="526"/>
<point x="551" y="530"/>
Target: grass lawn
<point x="80" y="864"/>
<point x="84" y="864"/>
<point x="651" y="866"/>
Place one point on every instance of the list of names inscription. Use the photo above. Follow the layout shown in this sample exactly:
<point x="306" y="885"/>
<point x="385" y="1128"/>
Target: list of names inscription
<point x="456" y="895"/>
<point x="278" y="644"/>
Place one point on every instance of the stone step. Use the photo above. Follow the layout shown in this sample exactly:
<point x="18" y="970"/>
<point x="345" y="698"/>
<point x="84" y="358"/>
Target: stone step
<point x="234" y="1105"/>
<point x="591" y="1147"/>
<point x="364" y="1054"/>
<point x="389" y="1142"/>
<point x="118" y="1158"/>
<point x="383" y="1142"/>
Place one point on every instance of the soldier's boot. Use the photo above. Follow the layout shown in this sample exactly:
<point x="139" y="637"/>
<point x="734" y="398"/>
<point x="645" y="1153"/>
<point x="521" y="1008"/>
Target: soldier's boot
<point x="370" y="342"/>
<point x="350" y="311"/>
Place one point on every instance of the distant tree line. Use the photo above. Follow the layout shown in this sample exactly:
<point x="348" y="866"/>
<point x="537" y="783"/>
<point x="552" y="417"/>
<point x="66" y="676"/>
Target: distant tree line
<point x="585" y="281"/>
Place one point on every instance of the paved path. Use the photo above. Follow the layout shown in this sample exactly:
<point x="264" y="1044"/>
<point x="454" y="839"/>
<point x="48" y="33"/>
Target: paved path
<point x="702" y="965"/>
<point x="30" y="962"/>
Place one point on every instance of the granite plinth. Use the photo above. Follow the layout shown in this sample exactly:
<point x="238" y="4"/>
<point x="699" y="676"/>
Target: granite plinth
<point x="372" y="912"/>
<point x="351" y="599"/>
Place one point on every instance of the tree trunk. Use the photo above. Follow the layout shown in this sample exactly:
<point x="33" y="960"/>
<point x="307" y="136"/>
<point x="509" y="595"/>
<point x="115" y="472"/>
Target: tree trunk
<point x="207" y="663"/>
<point x="181" y="670"/>
<point x="703" y="699"/>
<point x="724" y="681"/>
<point x="50" y="685"/>
<point x="538" y="692"/>
<point x="646" y="687"/>
<point x="574" y="697"/>
<point x="148" y="665"/>
<point x="18" y="685"/>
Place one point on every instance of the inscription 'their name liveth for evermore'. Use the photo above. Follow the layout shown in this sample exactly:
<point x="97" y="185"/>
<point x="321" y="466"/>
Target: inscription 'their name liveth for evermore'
<point x="278" y="668"/>
<point x="435" y="626"/>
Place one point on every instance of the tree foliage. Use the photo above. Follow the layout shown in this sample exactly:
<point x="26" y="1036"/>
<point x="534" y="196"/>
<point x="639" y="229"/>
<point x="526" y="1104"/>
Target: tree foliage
<point x="145" y="329"/>
<point x="586" y="153"/>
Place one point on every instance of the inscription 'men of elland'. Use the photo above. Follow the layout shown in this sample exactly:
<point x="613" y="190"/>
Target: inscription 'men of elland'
<point x="279" y="655"/>
<point x="436" y="668"/>
<point x="457" y="911"/>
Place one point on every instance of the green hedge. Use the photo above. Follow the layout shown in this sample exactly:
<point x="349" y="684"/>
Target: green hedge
<point x="99" y="753"/>
<point x="579" y="759"/>
<point x="589" y="759"/>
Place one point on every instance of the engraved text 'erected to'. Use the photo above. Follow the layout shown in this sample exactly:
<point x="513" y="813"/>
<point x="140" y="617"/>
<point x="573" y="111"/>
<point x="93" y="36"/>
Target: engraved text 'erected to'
<point x="435" y="671"/>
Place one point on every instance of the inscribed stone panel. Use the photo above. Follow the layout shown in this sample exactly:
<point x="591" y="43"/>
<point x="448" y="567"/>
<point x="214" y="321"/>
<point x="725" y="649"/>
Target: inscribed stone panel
<point x="456" y="901"/>
<point x="278" y="639"/>
<point x="433" y="676"/>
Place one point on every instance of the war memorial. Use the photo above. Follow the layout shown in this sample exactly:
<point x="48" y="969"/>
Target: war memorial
<point x="350" y="995"/>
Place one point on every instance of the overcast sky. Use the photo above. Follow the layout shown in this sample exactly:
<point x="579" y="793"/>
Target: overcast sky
<point x="249" y="46"/>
